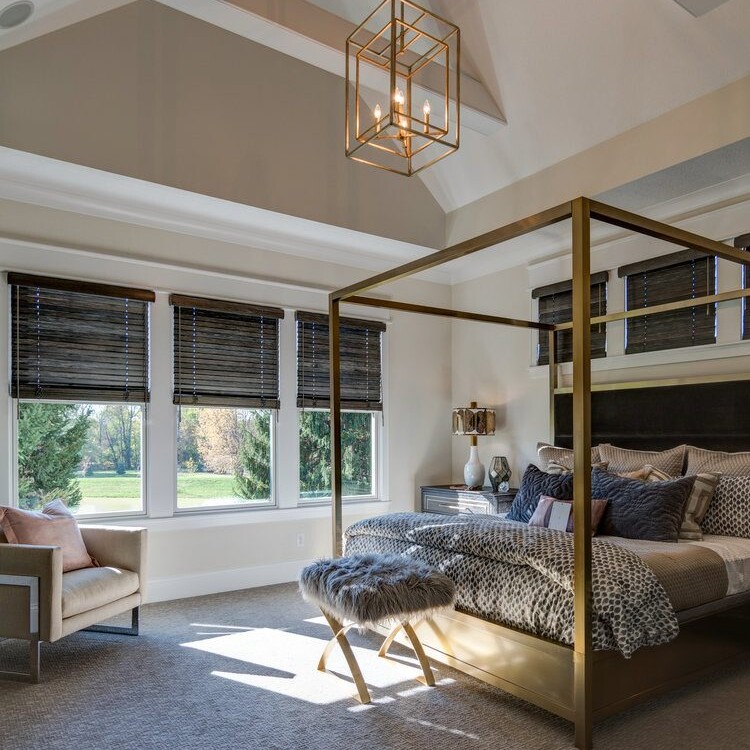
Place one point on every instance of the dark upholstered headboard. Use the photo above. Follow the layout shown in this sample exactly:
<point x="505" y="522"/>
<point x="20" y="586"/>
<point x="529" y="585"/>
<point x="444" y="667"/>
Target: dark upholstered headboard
<point x="708" y="415"/>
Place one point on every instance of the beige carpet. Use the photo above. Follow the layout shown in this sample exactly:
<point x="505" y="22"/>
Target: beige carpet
<point x="237" y="671"/>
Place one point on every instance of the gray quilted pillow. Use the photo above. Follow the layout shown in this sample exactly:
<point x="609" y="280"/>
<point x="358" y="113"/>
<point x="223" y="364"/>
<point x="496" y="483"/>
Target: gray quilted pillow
<point x="534" y="484"/>
<point x="641" y="510"/>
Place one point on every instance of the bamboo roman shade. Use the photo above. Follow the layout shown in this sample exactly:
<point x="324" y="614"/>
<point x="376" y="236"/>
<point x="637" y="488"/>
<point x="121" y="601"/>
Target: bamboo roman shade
<point x="78" y="341"/>
<point x="225" y="353"/>
<point x="677" y="276"/>
<point x="556" y="306"/>
<point x="361" y="363"/>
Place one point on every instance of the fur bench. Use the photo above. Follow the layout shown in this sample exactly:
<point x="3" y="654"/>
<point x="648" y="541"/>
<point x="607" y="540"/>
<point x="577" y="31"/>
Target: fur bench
<point x="368" y="589"/>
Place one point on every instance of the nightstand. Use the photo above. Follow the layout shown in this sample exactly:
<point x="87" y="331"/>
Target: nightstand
<point x="442" y="499"/>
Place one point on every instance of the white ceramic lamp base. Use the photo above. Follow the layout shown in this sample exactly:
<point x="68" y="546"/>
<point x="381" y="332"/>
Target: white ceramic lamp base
<point x="474" y="470"/>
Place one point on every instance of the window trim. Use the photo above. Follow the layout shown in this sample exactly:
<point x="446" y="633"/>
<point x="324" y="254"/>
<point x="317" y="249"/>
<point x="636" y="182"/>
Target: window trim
<point x="143" y="513"/>
<point x="239" y="507"/>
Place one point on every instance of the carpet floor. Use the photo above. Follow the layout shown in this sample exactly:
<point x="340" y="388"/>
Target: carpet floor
<point x="237" y="671"/>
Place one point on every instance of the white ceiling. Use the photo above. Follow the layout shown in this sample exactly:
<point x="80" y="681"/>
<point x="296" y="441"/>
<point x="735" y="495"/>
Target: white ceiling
<point x="566" y="75"/>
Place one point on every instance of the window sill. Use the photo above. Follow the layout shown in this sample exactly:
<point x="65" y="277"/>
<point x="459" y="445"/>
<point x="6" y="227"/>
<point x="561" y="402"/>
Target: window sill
<point x="206" y="519"/>
<point x="651" y="359"/>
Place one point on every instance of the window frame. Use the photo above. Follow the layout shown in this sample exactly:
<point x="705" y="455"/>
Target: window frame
<point x="239" y="507"/>
<point x="377" y="435"/>
<point x="110" y="515"/>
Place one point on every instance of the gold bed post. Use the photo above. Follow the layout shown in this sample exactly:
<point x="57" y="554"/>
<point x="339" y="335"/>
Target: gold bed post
<point x="335" y="360"/>
<point x="552" y="349"/>
<point x="583" y="646"/>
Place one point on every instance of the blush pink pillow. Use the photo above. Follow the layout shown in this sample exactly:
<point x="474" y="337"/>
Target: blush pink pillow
<point x="544" y="509"/>
<point x="54" y="525"/>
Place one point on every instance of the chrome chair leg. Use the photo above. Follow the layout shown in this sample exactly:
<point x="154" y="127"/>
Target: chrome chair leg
<point x="135" y="619"/>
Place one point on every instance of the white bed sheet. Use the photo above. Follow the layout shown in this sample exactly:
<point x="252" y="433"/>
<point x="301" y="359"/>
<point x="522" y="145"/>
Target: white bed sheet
<point x="735" y="551"/>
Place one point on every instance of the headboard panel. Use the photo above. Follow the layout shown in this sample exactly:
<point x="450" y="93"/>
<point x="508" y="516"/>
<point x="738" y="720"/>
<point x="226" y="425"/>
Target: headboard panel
<point x="708" y="415"/>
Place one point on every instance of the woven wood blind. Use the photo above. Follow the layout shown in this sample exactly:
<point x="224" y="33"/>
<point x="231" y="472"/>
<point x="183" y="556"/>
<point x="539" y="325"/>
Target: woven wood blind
<point x="361" y="363"/>
<point x="556" y="306"/>
<point x="78" y="341"/>
<point x="692" y="326"/>
<point x="225" y="353"/>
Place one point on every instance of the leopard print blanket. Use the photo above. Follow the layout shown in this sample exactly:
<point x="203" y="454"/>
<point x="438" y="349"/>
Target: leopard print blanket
<point x="522" y="576"/>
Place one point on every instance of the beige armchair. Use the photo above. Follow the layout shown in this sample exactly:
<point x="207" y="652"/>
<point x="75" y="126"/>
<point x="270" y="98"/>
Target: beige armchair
<point x="38" y="602"/>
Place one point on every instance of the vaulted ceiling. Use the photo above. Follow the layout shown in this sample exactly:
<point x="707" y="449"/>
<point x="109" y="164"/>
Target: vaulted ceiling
<point x="548" y="81"/>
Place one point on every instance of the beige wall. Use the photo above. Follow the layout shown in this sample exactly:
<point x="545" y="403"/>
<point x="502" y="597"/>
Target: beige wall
<point x="150" y="92"/>
<point x="198" y="555"/>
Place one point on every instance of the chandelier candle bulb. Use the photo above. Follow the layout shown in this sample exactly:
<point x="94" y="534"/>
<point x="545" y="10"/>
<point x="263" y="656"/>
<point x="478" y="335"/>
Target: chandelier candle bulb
<point x="426" y="109"/>
<point x="378" y="116"/>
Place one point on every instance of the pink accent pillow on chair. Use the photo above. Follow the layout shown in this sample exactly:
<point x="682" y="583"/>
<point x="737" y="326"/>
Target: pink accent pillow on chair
<point x="543" y="512"/>
<point x="54" y="525"/>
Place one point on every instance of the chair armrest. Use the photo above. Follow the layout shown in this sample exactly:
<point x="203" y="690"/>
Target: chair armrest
<point x="118" y="547"/>
<point x="42" y="562"/>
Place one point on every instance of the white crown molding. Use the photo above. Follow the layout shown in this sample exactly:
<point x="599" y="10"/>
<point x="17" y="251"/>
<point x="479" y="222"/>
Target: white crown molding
<point x="39" y="180"/>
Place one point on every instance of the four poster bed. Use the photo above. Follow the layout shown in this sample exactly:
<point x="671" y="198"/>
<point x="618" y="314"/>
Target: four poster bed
<point x="588" y="677"/>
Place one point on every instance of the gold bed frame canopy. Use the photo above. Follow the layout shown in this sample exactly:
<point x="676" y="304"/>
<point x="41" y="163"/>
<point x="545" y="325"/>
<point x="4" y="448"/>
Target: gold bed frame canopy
<point x="582" y="211"/>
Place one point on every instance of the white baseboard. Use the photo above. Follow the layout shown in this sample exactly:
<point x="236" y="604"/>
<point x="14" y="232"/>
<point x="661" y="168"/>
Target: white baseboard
<point x="200" y="584"/>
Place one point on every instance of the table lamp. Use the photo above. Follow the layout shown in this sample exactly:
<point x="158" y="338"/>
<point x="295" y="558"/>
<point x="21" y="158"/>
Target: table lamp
<point x="473" y="420"/>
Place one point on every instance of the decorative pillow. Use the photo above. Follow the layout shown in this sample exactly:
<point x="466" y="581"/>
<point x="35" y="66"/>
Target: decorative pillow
<point x="534" y="484"/>
<point x="698" y="501"/>
<point x="641" y="510"/>
<point x="561" y="456"/>
<point x="543" y="512"/>
<point x="622" y="460"/>
<point x="701" y="460"/>
<point x="555" y="468"/>
<point x="54" y="525"/>
<point x="729" y="513"/>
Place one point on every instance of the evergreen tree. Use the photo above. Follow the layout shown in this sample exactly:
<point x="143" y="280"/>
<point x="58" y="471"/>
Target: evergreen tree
<point x="315" y="452"/>
<point x="51" y="439"/>
<point x="253" y="478"/>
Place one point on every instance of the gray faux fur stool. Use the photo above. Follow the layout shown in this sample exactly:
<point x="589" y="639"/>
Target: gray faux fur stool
<point x="369" y="589"/>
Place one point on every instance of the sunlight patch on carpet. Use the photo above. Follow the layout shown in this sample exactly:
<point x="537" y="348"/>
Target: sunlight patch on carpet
<point x="297" y="656"/>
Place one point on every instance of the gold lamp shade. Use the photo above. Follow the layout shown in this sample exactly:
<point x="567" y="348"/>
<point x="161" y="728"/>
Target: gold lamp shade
<point x="473" y="420"/>
<point x="402" y="88"/>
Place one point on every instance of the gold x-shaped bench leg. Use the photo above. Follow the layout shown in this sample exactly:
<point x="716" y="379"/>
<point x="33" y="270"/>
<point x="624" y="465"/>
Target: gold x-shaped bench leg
<point x="339" y="636"/>
<point x="416" y="644"/>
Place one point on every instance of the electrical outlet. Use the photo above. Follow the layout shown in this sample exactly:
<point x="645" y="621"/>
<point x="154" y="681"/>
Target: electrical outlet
<point x="300" y="540"/>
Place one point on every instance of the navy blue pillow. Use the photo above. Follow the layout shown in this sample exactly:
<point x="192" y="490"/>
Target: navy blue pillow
<point x="641" y="510"/>
<point x="534" y="484"/>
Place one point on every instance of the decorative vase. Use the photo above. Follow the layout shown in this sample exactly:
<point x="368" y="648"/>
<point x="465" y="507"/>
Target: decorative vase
<point x="500" y="474"/>
<point x="474" y="470"/>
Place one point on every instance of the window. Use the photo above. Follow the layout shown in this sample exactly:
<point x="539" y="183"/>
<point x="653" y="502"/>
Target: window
<point x="678" y="276"/>
<point x="80" y="374"/>
<point x="361" y="400"/>
<point x="358" y="434"/>
<point x="223" y="457"/>
<point x="556" y="306"/>
<point x="226" y="386"/>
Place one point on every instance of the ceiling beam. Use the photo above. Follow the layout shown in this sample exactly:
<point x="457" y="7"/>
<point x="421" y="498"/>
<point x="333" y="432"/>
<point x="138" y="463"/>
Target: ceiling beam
<point x="315" y="36"/>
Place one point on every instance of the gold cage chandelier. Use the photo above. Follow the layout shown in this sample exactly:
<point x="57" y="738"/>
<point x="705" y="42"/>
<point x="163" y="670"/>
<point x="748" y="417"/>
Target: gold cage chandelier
<point x="402" y="88"/>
